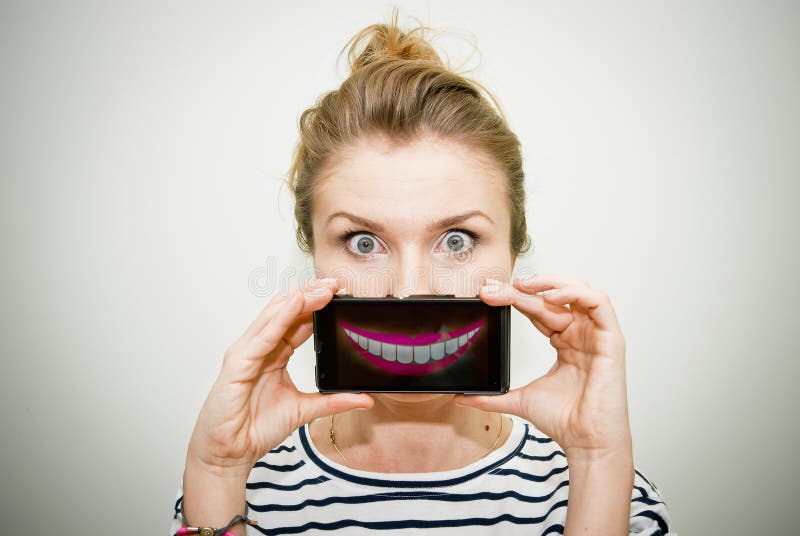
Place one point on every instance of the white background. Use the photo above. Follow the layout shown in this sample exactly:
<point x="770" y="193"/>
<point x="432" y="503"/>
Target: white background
<point x="143" y="148"/>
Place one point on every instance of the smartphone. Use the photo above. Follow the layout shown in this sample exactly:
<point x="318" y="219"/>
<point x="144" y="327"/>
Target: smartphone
<point x="415" y="344"/>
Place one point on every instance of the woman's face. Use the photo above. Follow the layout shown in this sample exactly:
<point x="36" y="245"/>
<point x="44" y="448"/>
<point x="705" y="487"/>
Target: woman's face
<point x="428" y="217"/>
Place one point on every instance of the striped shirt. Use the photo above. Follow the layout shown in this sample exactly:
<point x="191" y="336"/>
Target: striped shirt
<point x="520" y="488"/>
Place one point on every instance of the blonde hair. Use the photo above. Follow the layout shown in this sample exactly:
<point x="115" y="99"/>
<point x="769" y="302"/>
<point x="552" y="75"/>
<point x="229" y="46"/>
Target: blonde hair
<point x="399" y="88"/>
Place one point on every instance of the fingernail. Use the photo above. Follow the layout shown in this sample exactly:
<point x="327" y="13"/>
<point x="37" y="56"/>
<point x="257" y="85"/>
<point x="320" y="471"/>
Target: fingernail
<point x="317" y="290"/>
<point x="325" y="281"/>
<point x="526" y="279"/>
<point x="490" y="281"/>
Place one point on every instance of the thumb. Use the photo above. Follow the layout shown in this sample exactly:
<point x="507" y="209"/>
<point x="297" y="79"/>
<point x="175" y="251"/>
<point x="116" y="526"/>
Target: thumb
<point x="509" y="402"/>
<point x="318" y="405"/>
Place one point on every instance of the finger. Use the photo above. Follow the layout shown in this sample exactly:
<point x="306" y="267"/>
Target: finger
<point x="317" y="405"/>
<point x="277" y="358"/>
<point x="282" y="321"/>
<point x="247" y="357"/>
<point x="266" y="313"/>
<point x="314" y="299"/>
<point x="546" y="317"/>
<point x="300" y="331"/>
<point x="595" y="303"/>
<point x="310" y="289"/>
<point x="539" y="282"/>
<point x="510" y="402"/>
<point x="547" y="332"/>
<point x="296" y="335"/>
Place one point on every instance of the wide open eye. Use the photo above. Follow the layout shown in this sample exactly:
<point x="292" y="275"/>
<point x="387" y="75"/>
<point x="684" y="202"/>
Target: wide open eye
<point x="362" y="244"/>
<point x="458" y="242"/>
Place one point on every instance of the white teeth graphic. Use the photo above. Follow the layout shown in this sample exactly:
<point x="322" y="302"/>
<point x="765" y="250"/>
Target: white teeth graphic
<point x="374" y="347"/>
<point x="408" y="354"/>
<point x="422" y="354"/>
<point x="405" y="354"/>
<point x="388" y="351"/>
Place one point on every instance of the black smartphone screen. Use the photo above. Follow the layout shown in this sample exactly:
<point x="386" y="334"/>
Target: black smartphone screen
<point x="415" y="344"/>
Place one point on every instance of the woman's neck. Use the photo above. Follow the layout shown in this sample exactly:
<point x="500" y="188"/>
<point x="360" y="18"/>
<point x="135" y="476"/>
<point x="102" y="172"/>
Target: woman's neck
<point x="410" y="434"/>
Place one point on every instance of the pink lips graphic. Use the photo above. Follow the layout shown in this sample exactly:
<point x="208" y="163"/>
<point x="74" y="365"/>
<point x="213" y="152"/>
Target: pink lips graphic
<point x="411" y="369"/>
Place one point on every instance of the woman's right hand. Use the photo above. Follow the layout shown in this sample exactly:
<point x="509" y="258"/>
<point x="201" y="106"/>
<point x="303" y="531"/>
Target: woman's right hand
<point x="254" y="405"/>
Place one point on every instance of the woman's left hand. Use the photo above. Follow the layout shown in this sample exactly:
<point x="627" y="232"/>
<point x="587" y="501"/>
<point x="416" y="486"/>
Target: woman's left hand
<point x="581" y="402"/>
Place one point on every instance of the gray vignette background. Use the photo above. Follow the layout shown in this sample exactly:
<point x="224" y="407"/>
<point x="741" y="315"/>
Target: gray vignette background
<point x="144" y="226"/>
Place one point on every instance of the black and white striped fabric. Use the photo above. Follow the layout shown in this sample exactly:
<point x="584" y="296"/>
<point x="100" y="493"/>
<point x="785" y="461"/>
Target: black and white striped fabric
<point x="520" y="488"/>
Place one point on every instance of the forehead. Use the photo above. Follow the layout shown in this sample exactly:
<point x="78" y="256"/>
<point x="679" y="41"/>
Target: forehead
<point x="416" y="182"/>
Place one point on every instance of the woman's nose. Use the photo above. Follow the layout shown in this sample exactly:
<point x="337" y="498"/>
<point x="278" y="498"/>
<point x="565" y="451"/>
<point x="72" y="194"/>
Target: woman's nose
<point x="410" y="275"/>
<point x="427" y="277"/>
<point x="413" y="280"/>
<point x="400" y="279"/>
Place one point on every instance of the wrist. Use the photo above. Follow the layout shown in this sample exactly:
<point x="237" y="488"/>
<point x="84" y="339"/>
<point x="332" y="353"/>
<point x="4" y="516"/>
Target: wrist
<point x="212" y="497"/>
<point x="224" y="475"/>
<point x="226" y="468"/>
<point x="613" y="469"/>
<point x="586" y="458"/>
<point x="616" y="452"/>
<point x="600" y="488"/>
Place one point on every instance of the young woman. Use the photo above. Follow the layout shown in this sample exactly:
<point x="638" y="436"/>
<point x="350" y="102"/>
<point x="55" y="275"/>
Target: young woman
<point x="405" y="171"/>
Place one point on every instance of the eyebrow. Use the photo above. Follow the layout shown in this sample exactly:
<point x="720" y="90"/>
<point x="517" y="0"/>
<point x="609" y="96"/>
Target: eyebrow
<point x="450" y="221"/>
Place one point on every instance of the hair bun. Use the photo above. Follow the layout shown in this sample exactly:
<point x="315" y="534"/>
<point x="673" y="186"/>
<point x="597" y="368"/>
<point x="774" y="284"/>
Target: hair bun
<point x="389" y="42"/>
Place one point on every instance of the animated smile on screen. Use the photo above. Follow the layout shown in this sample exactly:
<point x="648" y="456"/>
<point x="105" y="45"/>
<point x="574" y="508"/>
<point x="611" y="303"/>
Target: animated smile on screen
<point x="411" y="355"/>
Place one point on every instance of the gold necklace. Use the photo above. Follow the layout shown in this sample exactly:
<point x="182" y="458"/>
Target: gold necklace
<point x="333" y="440"/>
